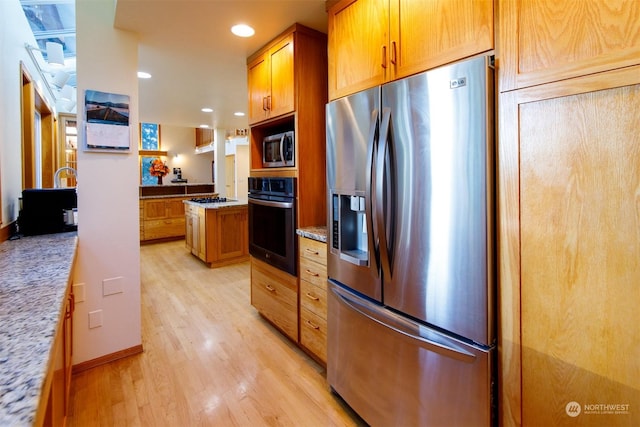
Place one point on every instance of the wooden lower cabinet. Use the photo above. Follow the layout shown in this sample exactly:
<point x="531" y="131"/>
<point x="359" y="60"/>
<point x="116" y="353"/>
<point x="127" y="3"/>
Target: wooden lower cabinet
<point x="274" y="293"/>
<point x="217" y="236"/>
<point x="313" y="297"/>
<point x="569" y="245"/>
<point x="298" y="308"/>
<point x="162" y="218"/>
<point x="58" y="382"/>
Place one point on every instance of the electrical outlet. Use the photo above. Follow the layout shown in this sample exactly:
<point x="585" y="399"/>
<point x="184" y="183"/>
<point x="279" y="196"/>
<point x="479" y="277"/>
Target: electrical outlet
<point x="112" y="286"/>
<point x="79" y="292"/>
<point x="95" y="319"/>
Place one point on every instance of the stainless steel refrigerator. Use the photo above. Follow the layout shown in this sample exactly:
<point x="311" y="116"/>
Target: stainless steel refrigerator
<point x="411" y="327"/>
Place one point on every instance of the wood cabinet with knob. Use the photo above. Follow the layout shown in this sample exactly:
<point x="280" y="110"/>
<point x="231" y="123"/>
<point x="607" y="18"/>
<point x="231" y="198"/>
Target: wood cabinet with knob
<point x="375" y="41"/>
<point x="271" y="81"/>
<point x="274" y="293"/>
<point x="313" y="297"/>
<point x="162" y="218"/>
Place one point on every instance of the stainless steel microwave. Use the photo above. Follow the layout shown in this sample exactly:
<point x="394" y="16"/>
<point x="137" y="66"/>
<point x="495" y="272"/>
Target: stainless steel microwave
<point x="278" y="150"/>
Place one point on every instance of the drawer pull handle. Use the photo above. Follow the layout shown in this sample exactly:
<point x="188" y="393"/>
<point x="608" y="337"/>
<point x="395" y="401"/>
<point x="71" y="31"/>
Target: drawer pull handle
<point x="311" y="251"/>
<point x="314" y="326"/>
<point x="270" y="288"/>
<point x="312" y="273"/>
<point x="313" y="297"/>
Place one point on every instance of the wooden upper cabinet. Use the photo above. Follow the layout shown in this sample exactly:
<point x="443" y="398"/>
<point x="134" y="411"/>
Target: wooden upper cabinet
<point x="358" y="30"/>
<point x="376" y="41"/>
<point x="425" y="34"/>
<point x="542" y="41"/>
<point x="271" y="82"/>
<point x="258" y="79"/>
<point x="204" y="136"/>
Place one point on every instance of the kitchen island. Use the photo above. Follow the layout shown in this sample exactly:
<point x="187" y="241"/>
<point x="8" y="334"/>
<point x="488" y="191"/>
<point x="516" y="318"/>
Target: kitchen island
<point x="217" y="231"/>
<point x="35" y="312"/>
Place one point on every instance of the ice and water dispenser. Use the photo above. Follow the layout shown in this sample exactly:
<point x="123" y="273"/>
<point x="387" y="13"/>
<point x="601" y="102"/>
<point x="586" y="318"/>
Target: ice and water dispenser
<point x="349" y="233"/>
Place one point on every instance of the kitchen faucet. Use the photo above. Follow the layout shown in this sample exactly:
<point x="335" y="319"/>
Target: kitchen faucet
<point x="56" y="176"/>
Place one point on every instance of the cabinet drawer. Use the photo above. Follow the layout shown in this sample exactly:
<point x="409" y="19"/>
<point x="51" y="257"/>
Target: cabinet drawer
<point x="313" y="298"/>
<point x="313" y="250"/>
<point x="191" y="209"/>
<point x="275" y="295"/>
<point x="161" y="228"/>
<point x="313" y="272"/>
<point x="313" y="333"/>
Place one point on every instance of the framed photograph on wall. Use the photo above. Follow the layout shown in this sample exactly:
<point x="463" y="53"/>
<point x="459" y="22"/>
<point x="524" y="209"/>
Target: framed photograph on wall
<point x="107" y="121"/>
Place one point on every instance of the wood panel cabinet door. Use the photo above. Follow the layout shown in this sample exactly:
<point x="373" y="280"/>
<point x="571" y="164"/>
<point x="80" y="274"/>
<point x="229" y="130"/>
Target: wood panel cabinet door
<point x="358" y="32"/>
<point x="425" y="33"/>
<point x="281" y="99"/>
<point x="232" y="239"/>
<point x="569" y="267"/>
<point x="259" y="79"/>
<point x="200" y="238"/>
<point x="155" y="209"/>
<point x="175" y="208"/>
<point x="274" y="294"/>
<point x="547" y="40"/>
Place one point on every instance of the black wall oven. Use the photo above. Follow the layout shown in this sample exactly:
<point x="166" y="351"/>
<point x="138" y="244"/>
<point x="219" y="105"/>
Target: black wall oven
<point x="272" y="222"/>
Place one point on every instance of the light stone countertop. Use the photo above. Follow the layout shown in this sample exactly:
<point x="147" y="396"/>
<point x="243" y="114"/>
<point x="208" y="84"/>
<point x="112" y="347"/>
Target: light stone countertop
<point x="318" y="233"/>
<point x="218" y="205"/>
<point x="34" y="273"/>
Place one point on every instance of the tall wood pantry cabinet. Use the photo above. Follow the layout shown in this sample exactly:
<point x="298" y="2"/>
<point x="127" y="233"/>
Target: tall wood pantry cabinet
<point x="287" y="82"/>
<point x="374" y="41"/>
<point x="569" y="213"/>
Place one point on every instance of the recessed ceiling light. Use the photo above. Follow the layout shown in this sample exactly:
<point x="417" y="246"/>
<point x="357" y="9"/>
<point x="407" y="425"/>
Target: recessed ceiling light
<point x="207" y="110"/>
<point x="239" y="114"/>
<point x="143" y="75"/>
<point x="242" y="30"/>
<point x="204" y="126"/>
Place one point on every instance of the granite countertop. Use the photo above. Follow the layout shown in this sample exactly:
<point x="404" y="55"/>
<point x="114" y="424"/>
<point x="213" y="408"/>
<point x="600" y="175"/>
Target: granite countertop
<point x="34" y="274"/>
<point x="218" y="205"/>
<point x="168" y="196"/>
<point x="318" y="233"/>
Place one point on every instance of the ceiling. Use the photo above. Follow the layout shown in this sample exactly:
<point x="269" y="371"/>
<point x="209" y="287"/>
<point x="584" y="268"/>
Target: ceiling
<point x="195" y="61"/>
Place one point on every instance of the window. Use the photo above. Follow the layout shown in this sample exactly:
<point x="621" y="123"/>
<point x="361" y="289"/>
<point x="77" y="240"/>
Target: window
<point x="149" y="151"/>
<point x="149" y="136"/>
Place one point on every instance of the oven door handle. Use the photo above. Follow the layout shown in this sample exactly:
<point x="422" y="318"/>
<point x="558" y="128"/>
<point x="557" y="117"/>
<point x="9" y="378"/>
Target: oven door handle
<point x="271" y="203"/>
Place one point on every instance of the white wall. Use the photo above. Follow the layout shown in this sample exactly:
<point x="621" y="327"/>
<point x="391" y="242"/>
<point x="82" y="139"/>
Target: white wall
<point x="14" y="32"/>
<point x="181" y="141"/>
<point x="108" y="215"/>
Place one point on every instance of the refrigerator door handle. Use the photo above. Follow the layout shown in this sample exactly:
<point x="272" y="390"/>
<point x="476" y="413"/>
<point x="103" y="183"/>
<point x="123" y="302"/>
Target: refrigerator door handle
<point x="372" y="229"/>
<point x="402" y="327"/>
<point x="383" y="147"/>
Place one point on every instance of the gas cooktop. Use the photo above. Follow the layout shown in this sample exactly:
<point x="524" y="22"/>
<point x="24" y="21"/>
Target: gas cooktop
<point x="209" y="199"/>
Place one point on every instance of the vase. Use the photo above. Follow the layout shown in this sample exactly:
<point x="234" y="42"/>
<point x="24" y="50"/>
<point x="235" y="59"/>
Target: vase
<point x="159" y="179"/>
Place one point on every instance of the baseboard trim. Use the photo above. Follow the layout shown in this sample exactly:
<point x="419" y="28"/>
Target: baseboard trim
<point x="107" y="358"/>
<point x="7" y="231"/>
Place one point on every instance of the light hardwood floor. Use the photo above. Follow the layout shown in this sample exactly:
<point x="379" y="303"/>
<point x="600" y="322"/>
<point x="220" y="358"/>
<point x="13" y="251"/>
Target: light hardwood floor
<point x="209" y="359"/>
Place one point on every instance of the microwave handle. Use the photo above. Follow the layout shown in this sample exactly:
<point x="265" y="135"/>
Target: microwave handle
<point x="282" y="148"/>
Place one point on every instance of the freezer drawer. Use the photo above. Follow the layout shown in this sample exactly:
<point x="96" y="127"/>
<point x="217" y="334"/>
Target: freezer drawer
<point x="393" y="371"/>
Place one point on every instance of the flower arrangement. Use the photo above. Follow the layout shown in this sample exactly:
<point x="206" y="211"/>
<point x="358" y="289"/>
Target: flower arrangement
<point x="158" y="168"/>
